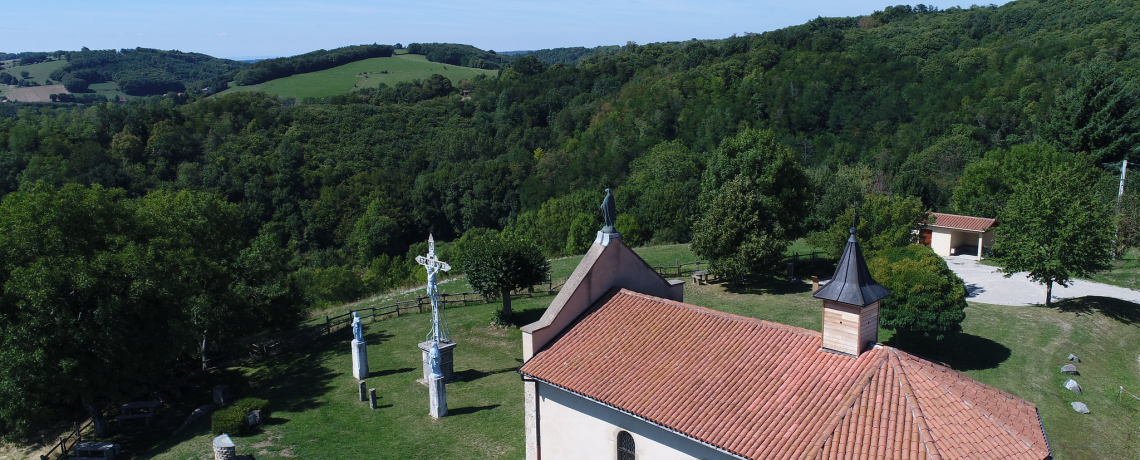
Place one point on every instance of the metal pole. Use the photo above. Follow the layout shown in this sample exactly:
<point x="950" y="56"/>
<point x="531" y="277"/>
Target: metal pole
<point x="1123" y="172"/>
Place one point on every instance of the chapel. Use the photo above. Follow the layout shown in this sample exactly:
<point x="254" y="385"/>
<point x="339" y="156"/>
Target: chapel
<point x="619" y="367"/>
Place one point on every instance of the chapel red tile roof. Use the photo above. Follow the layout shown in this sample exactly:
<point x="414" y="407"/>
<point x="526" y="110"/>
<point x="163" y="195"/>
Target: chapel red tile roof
<point x="975" y="224"/>
<point x="768" y="391"/>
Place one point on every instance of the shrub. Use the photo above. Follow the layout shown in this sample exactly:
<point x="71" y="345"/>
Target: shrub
<point x="232" y="421"/>
<point x="927" y="298"/>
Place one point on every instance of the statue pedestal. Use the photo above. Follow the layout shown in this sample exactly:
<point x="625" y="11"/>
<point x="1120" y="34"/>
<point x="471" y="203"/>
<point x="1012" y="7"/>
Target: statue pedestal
<point x="359" y="360"/>
<point x="437" y="390"/>
<point x="445" y="364"/>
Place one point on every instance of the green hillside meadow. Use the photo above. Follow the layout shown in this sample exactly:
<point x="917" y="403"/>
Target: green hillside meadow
<point x="362" y="74"/>
<point x="39" y="73"/>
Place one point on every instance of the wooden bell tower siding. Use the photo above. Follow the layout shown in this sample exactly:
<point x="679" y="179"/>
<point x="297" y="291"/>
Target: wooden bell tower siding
<point x="851" y="304"/>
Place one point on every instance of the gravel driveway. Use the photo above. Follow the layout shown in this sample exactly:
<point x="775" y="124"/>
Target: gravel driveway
<point x="987" y="285"/>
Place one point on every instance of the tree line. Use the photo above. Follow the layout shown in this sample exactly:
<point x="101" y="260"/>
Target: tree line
<point x="269" y="69"/>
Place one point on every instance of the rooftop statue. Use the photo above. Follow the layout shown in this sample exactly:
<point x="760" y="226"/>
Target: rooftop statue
<point x="609" y="213"/>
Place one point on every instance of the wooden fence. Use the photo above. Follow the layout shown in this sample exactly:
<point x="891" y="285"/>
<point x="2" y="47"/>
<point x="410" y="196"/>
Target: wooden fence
<point x="418" y="305"/>
<point x="62" y="449"/>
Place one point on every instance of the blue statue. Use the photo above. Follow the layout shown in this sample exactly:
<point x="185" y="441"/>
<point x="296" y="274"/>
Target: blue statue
<point x="433" y="358"/>
<point x="357" y="328"/>
<point x="609" y="213"/>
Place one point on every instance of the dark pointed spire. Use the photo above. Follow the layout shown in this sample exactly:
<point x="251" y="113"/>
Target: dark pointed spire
<point x="852" y="283"/>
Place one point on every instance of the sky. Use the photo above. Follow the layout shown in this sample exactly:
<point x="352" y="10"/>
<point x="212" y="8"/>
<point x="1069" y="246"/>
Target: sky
<point x="248" y="29"/>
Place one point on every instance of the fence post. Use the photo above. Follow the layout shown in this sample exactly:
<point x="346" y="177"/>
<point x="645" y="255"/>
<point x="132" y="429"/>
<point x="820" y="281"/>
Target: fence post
<point x="698" y="264"/>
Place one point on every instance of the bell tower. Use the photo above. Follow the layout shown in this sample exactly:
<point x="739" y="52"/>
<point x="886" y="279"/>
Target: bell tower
<point x="851" y="304"/>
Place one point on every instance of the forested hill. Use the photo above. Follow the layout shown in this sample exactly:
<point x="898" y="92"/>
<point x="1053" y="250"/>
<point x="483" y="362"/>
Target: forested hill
<point x="143" y="71"/>
<point x="898" y="101"/>
<point x="566" y="56"/>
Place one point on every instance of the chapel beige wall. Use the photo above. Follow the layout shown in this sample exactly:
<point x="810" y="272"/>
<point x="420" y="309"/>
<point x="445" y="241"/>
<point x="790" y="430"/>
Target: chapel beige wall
<point x="573" y="427"/>
<point x="940" y="241"/>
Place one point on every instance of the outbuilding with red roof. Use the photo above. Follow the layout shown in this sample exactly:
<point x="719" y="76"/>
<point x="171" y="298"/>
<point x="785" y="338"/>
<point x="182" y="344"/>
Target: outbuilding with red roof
<point x="955" y="235"/>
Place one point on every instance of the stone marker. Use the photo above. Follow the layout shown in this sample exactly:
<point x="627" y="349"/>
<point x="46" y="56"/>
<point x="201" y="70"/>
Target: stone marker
<point x="1080" y="407"/>
<point x="363" y="391"/>
<point x="224" y="448"/>
<point x="1069" y="369"/>
<point x="372" y="398"/>
<point x="1074" y="358"/>
<point x="1072" y="385"/>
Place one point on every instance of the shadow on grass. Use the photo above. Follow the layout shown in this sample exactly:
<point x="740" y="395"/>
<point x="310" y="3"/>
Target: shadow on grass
<point x="471" y="375"/>
<point x="377" y="337"/>
<point x="470" y="410"/>
<point x="530" y="315"/>
<point x="767" y="285"/>
<point x="390" y="372"/>
<point x="960" y="351"/>
<point x="1120" y="310"/>
<point x="291" y="382"/>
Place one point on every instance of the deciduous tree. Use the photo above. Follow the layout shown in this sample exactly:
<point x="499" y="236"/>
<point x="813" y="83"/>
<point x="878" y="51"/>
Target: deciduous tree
<point x="1055" y="228"/>
<point x="495" y="265"/>
<point x="752" y="197"/>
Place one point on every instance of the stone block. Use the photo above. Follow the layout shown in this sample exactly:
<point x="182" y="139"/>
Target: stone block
<point x="437" y="398"/>
<point x="1072" y="385"/>
<point x="359" y="360"/>
<point x="1080" y="407"/>
<point x="1074" y="358"/>
<point x="1069" y="369"/>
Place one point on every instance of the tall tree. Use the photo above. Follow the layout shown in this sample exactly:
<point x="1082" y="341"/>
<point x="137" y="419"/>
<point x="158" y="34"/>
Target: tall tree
<point x="987" y="184"/>
<point x="495" y="265"/>
<point x="1055" y="228"/>
<point x="884" y="221"/>
<point x="83" y="315"/>
<point x="1100" y="116"/>
<point x="752" y="197"/>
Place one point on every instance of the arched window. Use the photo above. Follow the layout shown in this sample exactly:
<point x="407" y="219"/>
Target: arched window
<point x="625" y="446"/>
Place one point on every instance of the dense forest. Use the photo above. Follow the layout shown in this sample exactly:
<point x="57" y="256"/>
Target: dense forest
<point x="145" y="71"/>
<point x="461" y="55"/>
<point x="907" y="110"/>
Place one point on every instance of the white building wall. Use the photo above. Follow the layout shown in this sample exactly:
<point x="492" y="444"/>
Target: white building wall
<point x="940" y="241"/>
<point x="573" y="427"/>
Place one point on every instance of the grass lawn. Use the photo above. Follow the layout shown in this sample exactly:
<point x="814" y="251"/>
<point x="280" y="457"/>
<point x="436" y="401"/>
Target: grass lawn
<point x="1125" y="272"/>
<point x="365" y="73"/>
<point x="316" y="412"/>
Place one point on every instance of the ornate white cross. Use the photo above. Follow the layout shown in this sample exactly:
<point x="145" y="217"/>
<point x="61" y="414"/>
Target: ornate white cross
<point x="439" y="332"/>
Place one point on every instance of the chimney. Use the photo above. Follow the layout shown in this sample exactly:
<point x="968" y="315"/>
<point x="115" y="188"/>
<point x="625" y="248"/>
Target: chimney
<point x="851" y="304"/>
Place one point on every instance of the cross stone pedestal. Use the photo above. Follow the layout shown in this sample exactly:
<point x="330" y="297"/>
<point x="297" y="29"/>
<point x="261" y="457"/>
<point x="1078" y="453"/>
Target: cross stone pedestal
<point x="445" y="364"/>
<point x="359" y="360"/>
<point x="437" y="390"/>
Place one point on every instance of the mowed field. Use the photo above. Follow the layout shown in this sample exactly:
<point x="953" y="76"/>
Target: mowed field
<point x="368" y="73"/>
<point x="36" y="72"/>
<point x="40" y="73"/>
<point x="34" y="93"/>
